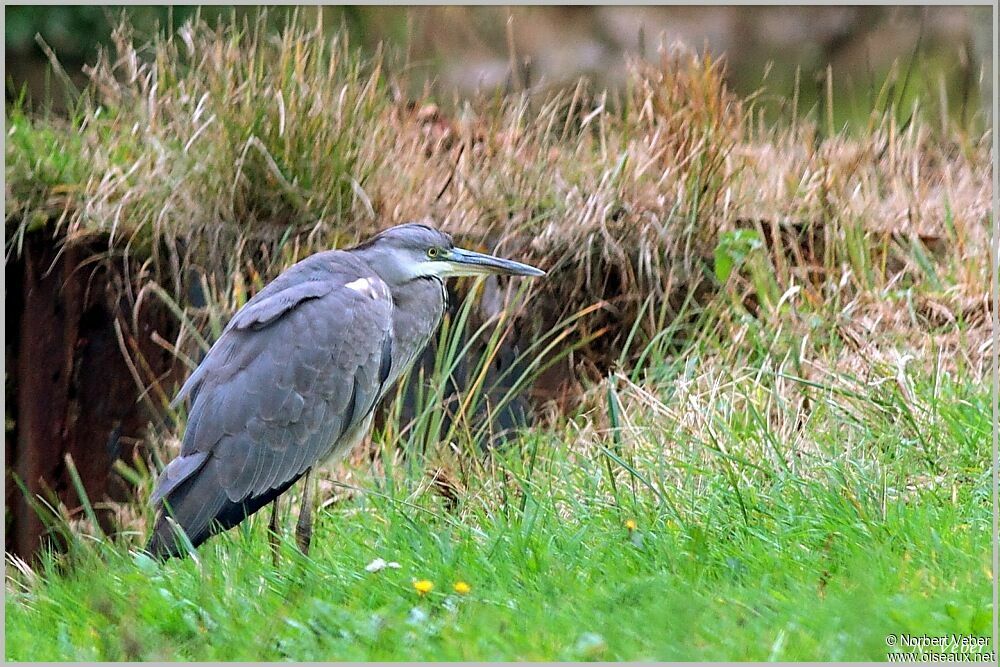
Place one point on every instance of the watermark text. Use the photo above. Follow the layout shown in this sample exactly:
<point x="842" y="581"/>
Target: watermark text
<point x="906" y="647"/>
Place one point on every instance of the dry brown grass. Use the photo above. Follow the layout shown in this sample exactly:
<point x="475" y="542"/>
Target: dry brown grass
<point x="236" y="152"/>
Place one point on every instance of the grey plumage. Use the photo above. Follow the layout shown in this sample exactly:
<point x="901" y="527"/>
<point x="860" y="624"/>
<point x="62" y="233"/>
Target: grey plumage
<point x="296" y="375"/>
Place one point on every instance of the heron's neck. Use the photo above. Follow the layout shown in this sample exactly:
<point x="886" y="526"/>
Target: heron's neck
<point x="417" y="309"/>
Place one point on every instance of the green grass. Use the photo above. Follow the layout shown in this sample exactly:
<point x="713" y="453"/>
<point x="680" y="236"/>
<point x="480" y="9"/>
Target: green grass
<point x="745" y="547"/>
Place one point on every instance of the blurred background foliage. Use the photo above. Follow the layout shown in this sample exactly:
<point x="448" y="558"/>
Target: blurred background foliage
<point x="940" y="55"/>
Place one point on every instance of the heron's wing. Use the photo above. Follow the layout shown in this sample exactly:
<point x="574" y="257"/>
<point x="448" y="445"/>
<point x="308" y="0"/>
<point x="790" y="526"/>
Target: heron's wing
<point x="310" y="279"/>
<point x="292" y="373"/>
<point x="317" y="377"/>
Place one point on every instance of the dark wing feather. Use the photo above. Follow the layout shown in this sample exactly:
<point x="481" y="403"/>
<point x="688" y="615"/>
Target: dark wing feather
<point x="293" y="372"/>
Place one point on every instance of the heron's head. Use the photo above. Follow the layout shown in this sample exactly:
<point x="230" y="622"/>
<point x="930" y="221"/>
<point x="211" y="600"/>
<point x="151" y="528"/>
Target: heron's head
<point x="414" y="250"/>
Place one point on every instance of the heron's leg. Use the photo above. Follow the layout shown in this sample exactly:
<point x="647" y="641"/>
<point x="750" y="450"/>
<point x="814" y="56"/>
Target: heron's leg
<point x="303" y="529"/>
<point x="272" y="535"/>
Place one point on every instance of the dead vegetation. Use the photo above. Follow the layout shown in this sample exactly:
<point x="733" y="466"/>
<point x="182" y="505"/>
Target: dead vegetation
<point x="210" y="141"/>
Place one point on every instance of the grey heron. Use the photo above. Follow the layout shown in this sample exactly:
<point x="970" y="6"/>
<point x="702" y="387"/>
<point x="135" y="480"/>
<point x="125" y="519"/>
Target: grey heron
<point x="296" y="375"/>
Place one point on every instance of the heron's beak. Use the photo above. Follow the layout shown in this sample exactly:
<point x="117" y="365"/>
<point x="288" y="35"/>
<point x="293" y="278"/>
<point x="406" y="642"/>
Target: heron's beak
<point x="468" y="263"/>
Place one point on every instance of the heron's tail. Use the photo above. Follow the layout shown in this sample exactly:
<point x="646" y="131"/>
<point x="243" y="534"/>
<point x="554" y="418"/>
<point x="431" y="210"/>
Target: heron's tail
<point x="186" y="517"/>
<point x="200" y="507"/>
<point x="165" y="542"/>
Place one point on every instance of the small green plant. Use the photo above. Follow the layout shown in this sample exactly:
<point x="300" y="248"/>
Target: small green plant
<point x="735" y="248"/>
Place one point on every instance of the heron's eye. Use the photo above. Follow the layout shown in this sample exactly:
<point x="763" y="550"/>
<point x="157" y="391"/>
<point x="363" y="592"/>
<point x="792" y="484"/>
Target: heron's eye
<point x="433" y="253"/>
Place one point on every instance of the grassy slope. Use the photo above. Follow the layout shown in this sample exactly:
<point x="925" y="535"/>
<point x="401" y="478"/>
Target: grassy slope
<point x="834" y="552"/>
<point x="798" y="490"/>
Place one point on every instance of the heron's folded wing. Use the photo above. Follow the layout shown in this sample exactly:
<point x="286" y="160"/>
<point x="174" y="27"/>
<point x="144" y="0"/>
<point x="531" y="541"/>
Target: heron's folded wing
<point x="309" y="279"/>
<point x="277" y="394"/>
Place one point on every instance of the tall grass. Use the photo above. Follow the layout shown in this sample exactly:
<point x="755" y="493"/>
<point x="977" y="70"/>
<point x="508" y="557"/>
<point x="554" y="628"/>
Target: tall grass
<point x="725" y="510"/>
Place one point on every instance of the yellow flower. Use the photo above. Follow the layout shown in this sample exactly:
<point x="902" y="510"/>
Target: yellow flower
<point x="423" y="586"/>
<point x="462" y="588"/>
<point x="631" y="524"/>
